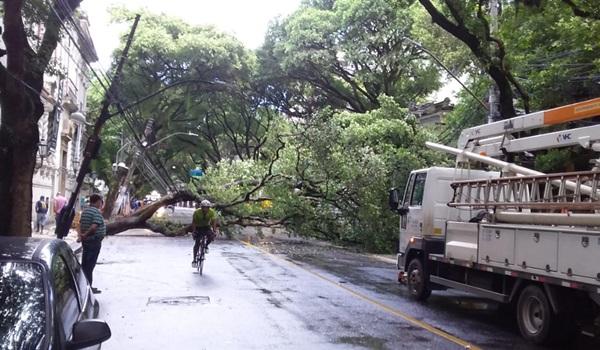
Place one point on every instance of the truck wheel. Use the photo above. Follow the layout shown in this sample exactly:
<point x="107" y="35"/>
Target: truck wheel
<point x="537" y="322"/>
<point x="417" y="281"/>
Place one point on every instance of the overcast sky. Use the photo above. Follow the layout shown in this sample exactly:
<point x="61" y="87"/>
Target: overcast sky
<point x="245" y="19"/>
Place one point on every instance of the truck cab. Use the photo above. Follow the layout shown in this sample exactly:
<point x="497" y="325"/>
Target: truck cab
<point x="424" y="211"/>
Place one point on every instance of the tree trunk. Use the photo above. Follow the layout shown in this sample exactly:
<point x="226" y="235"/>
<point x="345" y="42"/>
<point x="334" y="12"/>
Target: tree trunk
<point x="16" y="173"/>
<point x="111" y="197"/>
<point x="21" y="81"/>
<point x="140" y="218"/>
<point x="460" y="30"/>
<point x="115" y="190"/>
<point x="507" y="107"/>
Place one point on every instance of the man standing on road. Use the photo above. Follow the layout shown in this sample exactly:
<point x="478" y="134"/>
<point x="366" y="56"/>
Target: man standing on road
<point x="91" y="233"/>
<point x="204" y="222"/>
<point x="59" y="203"/>
<point x="41" y="210"/>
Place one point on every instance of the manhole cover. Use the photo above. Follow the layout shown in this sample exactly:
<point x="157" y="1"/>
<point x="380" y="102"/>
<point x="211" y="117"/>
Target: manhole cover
<point x="179" y="300"/>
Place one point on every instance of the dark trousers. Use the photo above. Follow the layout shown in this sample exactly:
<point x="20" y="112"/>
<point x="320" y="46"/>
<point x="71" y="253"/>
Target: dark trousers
<point x="89" y="257"/>
<point x="57" y="218"/>
<point x="201" y="231"/>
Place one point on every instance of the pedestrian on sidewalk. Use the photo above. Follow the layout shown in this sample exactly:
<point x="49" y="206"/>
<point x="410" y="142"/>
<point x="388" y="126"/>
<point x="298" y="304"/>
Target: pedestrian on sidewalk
<point x="41" y="210"/>
<point x="92" y="230"/>
<point x="59" y="203"/>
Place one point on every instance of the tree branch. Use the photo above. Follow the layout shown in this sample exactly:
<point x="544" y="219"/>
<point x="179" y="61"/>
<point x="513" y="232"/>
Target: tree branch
<point x="578" y="11"/>
<point x="138" y="220"/>
<point x="259" y="221"/>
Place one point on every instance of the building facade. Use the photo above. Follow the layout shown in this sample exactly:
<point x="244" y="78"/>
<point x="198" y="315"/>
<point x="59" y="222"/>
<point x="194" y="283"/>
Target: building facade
<point x="63" y="124"/>
<point x="433" y="112"/>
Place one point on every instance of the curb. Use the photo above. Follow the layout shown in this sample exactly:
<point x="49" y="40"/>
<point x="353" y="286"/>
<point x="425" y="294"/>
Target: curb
<point x="381" y="257"/>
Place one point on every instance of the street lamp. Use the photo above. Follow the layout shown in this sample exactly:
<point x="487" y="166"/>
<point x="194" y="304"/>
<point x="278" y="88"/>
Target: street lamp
<point x="119" y="168"/>
<point x="42" y="152"/>
<point x="76" y="162"/>
<point x="146" y="146"/>
<point x="117" y="158"/>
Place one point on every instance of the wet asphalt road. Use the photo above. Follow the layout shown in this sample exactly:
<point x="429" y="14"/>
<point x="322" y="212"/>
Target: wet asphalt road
<point x="279" y="295"/>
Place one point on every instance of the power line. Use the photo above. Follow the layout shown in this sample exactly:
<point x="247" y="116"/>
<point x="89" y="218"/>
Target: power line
<point x="125" y="115"/>
<point x="89" y="44"/>
<point x="129" y="119"/>
<point x="83" y="56"/>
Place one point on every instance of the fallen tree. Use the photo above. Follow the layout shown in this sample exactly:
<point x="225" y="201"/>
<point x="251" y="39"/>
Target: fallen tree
<point x="140" y="218"/>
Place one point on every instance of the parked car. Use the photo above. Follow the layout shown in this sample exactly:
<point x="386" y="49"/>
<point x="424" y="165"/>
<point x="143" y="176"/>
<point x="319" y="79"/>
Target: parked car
<point x="45" y="300"/>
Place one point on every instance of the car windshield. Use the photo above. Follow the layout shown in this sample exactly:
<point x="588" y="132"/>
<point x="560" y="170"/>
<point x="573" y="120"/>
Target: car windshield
<point x="22" y="306"/>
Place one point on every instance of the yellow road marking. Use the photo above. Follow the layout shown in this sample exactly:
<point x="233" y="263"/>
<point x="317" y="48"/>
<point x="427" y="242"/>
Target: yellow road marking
<point x="465" y="344"/>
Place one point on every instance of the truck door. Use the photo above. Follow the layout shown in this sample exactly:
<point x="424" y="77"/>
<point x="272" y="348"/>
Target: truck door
<point x="411" y="223"/>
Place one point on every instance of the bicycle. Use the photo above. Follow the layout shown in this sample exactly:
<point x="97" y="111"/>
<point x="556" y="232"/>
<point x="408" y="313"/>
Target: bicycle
<point x="200" y="256"/>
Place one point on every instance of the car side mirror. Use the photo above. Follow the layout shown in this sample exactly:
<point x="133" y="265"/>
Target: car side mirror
<point x="393" y="200"/>
<point x="87" y="333"/>
<point x="403" y="211"/>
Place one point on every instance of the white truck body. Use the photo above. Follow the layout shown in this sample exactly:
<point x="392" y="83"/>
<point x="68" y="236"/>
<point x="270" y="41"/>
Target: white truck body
<point x="564" y="252"/>
<point x="515" y="235"/>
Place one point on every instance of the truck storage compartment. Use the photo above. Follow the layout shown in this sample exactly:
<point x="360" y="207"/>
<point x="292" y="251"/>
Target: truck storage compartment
<point x="536" y="249"/>
<point x="497" y="245"/>
<point x="461" y="240"/>
<point x="579" y="254"/>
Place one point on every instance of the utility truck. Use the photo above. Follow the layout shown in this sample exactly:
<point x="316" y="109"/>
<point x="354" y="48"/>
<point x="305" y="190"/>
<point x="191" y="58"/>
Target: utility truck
<point x="507" y="232"/>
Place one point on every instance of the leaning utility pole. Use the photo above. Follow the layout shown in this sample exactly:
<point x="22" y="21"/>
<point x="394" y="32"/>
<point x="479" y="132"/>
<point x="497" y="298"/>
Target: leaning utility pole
<point x="118" y="193"/>
<point x="92" y="147"/>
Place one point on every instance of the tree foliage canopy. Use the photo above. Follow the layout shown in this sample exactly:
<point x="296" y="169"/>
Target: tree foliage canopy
<point x="311" y="130"/>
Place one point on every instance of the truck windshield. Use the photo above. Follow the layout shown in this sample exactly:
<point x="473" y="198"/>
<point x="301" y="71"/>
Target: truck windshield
<point x="22" y="306"/>
<point x="418" y="189"/>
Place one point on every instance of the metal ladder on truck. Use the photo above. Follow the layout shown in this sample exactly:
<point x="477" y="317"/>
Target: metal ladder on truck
<point x="563" y="198"/>
<point x="531" y="192"/>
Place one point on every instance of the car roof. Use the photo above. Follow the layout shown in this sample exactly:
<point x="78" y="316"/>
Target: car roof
<point x="26" y="248"/>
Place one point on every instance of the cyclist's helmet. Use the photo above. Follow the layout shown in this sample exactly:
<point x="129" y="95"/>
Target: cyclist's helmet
<point x="205" y="203"/>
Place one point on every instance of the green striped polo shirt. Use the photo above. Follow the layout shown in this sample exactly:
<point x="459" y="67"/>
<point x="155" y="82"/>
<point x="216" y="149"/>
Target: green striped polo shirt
<point x="91" y="215"/>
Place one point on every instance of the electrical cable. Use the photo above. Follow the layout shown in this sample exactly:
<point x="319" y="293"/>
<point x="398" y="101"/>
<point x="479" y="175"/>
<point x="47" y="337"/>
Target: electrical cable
<point x="150" y="163"/>
<point x="129" y="119"/>
<point x="83" y="56"/>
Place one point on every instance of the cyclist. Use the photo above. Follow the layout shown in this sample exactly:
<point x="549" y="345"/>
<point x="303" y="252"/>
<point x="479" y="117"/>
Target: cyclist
<point x="204" y="222"/>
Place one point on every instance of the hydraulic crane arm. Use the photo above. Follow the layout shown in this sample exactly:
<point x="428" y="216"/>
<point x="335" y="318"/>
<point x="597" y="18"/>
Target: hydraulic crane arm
<point x="493" y="138"/>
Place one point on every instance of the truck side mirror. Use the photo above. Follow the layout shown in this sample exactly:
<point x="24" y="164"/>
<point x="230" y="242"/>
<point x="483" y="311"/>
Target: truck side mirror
<point x="393" y="200"/>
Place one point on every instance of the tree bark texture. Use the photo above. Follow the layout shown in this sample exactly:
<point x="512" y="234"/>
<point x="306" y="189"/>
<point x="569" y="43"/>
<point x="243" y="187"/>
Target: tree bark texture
<point x="493" y="64"/>
<point x="21" y="81"/>
<point x="140" y="218"/>
<point x="18" y="132"/>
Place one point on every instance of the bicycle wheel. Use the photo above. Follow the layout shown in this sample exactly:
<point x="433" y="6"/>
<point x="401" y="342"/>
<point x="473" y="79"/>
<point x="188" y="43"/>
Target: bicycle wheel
<point x="200" y="259"/>
<point x="201" y="264"/>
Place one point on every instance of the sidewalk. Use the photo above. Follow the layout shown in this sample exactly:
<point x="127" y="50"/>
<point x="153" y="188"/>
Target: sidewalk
<point x="70" y="239"/>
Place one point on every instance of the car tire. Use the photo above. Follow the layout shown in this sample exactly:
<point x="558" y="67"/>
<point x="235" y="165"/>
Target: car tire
<point x="417" y="281"/>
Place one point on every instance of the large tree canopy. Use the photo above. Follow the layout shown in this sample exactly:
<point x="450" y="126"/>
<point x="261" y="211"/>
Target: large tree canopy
<point x="310" y="130"/>
<point x="325" y="174"/>
<point x="344" y="54"/>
